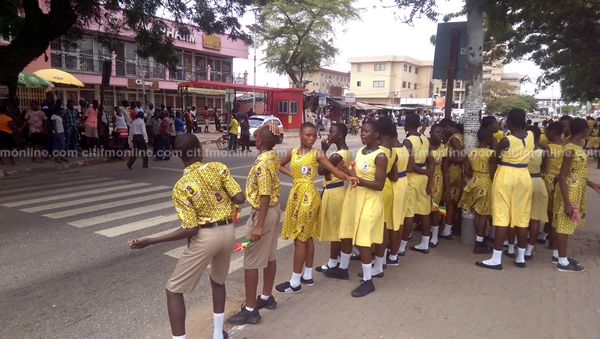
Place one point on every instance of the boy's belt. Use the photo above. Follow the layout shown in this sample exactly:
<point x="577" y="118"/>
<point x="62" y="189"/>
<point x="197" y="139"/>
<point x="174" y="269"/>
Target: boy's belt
<point x="334" y="185"/>
<point x="513" y="165"/>
<point x="217" y="223"/>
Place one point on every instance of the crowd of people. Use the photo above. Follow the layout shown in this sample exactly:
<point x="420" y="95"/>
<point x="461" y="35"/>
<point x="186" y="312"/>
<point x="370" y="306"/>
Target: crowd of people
<point x="516" y="182"/>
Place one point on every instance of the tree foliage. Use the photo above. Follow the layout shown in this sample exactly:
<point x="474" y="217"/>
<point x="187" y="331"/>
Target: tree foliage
<point x="561" y="37"/>
<point x="299" y="34"/>
<point x="501" y="105"/>
<point x="494" y="89"/>
<point x="31" y="27"/>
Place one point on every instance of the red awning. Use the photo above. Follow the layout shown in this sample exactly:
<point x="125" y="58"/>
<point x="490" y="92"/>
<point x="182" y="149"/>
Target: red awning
<point x="207" y="84"/>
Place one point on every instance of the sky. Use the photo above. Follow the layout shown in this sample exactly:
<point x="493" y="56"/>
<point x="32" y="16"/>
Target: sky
<point x="380" y="33"/>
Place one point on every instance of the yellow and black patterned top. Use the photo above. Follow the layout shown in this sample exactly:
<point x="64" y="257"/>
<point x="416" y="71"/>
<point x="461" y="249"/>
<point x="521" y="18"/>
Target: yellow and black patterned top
<point x="202" y="195"/>
<point x="263" y="179"/>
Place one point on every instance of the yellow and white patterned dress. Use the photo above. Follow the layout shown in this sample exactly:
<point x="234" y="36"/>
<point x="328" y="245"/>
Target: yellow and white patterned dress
<point x="400" y="190"/>
<point x="302" y="219"/>
<point x="456" y="170"/>
<point x="332" y="202"/>
<point x="576" y="184"/>
<point x="437" y="181"/>
<point x="555" y="158"/>
<point x="388" y="192"/>
<point x="539" y="197"/>
<point x="362" y="220"/>
<point x="594" y="141"/>
<point x="419" y="202"/>
<point x="477" y="194"/>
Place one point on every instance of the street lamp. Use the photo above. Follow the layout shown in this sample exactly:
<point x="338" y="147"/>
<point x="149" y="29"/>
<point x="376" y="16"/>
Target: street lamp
<point x="255" y="30"/>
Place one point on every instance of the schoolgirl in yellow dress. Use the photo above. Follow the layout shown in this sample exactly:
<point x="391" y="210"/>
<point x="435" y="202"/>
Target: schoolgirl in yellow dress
<point x="594" y="141"/>
<point x="569" y="199"/>
<point x="511" y="189"/>
<point x="334" y="192"/>
<point x="554" y="151"/>
<point x="440" y="181"/>
<point x="302" y="221"/>
<point x="362" y="221"/>
<point x="455" y="145"/>
<point x="400" y="205"/>
<point x="477" y="194"/>
<point x="419" y="179"/>
<point x="492" y="124"/>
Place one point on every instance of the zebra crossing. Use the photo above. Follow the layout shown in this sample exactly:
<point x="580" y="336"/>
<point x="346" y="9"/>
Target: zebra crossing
<point x="106" y="206"/>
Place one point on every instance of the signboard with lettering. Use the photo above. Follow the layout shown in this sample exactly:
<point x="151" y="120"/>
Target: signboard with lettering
<point x="211" y="42"/>
<point x="3" y="92"/>
<point x="137" y="83"/>
<point x="350" y="98"/>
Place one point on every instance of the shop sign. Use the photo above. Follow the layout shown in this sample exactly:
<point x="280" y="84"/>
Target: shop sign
<point x="3" y="92"/>
<point x="211" y="42"/>
<point x="350" y="98"/>
<point x="137" y="83"/>
<point x="205" y="91"/>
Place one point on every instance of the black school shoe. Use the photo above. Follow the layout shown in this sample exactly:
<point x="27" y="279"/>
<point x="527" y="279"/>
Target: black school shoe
<point x="391" y="262"/>
<point x="519" y="264"/>
<point x="380" y="275"/>
<point x="269" y="304"/>
<point x="245" y="317"/>
<point x="492" y="267"/>
<point x="510" y="255"/>
<point x="324" y="268"/>
<point x="365" y="288"/>
<point x="308" y="282"/>
<point x="570" y="268"/>
<point x="414" y="248"/>
<point x="286" y="287"/>
<point x="572" y="261"/>
<point x="337" y="273"/>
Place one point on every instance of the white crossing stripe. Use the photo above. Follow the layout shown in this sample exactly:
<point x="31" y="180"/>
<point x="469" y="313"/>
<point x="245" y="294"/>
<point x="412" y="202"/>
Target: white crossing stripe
<point x="72" y="195"/>
<point x="120" y="215"/>
<point x="60" y="184"/>
<point x="93" y="199"/>
<point x="36" y="193"/>
<point x="138" y="225"/>
<point x="160" y="234"/>
<point x="108" y="205"/>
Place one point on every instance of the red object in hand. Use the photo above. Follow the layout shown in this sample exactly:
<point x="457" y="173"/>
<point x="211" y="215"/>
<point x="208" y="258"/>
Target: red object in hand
<point x="575" y="216"/>
<point x="352" y="164"/>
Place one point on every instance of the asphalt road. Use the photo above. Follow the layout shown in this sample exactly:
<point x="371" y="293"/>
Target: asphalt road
<point x="66" y="270"/>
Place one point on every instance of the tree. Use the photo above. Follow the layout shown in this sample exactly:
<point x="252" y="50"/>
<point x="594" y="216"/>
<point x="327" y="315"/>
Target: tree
<point x="503" y="104"/>
<point x="530" y="100"/>
<point x="299" y="34"/>
<point x="32" y="25"/>
<point x="493" y="89"/>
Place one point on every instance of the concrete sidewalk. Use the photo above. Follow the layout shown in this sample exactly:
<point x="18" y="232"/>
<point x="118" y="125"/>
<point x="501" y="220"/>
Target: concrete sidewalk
<point x="444" y="295"/>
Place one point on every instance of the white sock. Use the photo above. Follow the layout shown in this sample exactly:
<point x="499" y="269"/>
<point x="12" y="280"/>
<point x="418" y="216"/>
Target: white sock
<point x="424" y="245"/>
<point x="562" y="261"/>
<point x="182" y="336"/>
<point x="331" y="263"/>
<point x="496" y="259"/>
<point x="403" y="246"/>
<point x="218" y="325"/>
<point x="520" y="255"/>
<point x="344" y="260"/>
<point x="505" y="243"/>
<point x="542" y="235"/>
<point x="307" y="273"/>
<point x="355" y="250"/>
<point x="529" y="249"/>
<point x="447" y="230"/>
<point x="338" y="260"/>
<point x="555" y="253"/>
<point x="366" y="272"/>
<point x="295" y="280"/>
<point x="434" y="234"/>
<point x="264" y="297"/>
<point x="249" y="308"/>
<point x="393" y="257"/>
<point x="511" y="248"/>
<point x="378" y="266"/>
<point x="385" y="253"/>
<point x="479" y="239"/>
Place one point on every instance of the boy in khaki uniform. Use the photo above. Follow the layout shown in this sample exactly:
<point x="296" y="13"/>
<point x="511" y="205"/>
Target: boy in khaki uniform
<point x="204" y="199"/>
<point x="262" y="191"/>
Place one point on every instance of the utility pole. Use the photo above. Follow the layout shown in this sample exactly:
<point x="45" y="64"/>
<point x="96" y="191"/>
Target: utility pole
<point x="474" y="79"/>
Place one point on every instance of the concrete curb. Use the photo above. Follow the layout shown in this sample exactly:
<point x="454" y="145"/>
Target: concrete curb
<point x="51" y="167"/>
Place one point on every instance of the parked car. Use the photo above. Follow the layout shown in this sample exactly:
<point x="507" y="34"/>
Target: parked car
<point x="257" y="121"/>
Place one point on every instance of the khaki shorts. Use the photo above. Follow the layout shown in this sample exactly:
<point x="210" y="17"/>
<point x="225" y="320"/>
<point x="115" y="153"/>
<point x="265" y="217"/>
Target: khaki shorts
<point x="259" y="254"/>
<point x="212" y="246"/>
<point x="90" y="132"/>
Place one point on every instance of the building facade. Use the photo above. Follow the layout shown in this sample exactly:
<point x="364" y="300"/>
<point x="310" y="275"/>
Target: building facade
<point x="133" y="78"/>
<point x="387" y="79"/>
<point x="495" y="72"/>
<point x="325" y="81"/>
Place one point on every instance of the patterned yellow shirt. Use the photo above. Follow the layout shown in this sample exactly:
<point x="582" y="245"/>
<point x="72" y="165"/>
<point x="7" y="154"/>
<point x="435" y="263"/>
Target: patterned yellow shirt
<point x="202" y="195"/>
<point x="263" y="179"/>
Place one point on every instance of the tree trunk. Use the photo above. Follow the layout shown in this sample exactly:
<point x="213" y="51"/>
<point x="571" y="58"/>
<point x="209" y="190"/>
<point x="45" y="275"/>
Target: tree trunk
<point x="474" y="80"/>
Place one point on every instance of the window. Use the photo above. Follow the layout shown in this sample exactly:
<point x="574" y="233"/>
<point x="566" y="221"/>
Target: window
<point x="293" y="107"/>
<point x="327" y="87"/>
<point x="359" y="67"/>
<point x="80" y="58"/>
<point x="358" y="84"/>
<point x="437" y="90"/>
<point x="282" y="107"/>
<point x="403" y="84"/>
<point x="409" y="69"/>
<point x="337" y="78"/>
<point x="415" y="86"/>
<point x="405" y="67"/>
<point x="409" y="85"/>
<point x="458" y="84"/>
<point x="416" y="70"/>
<point x="443" y="84"/>
<point x="380" y="67"/>
<point x="378" y="83"/>
<point x="457" y="96"/>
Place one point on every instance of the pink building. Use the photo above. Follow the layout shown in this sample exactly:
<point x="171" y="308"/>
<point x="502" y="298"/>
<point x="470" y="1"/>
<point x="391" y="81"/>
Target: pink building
<point x="201" y="57"/>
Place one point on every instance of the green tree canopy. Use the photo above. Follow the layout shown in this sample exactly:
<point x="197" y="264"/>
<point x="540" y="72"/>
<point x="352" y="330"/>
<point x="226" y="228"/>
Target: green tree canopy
<point x="501" y="105"/>
<point x="299" y="34"/>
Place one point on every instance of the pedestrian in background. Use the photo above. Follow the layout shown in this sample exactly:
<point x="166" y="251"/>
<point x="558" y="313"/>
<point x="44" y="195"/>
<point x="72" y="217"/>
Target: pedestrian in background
<point x="206" y="119"/>
<point x="233" y="133"/>
<point x="245" y="129"/>
<point x="7" y="142"/>
<point x="155" y="127"/>
<point x="70" y="116"/>
<point x="58" y="146"/>
<point x="189" y="123"/>
<point x="164" y="141"/>
<point x="139" y="138"/>
<point x="37" y="122"/>
<point x="179" y="125"/>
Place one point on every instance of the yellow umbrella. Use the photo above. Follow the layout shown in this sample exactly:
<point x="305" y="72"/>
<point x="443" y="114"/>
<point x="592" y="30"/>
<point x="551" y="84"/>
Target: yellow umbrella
<point x="59" y="77"/>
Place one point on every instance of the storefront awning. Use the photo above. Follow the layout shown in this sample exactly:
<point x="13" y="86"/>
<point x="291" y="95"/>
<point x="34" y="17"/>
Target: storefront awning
<point x="216" y="85"/>
<point x="364" y="107"/>
<point x="341" y="103"/>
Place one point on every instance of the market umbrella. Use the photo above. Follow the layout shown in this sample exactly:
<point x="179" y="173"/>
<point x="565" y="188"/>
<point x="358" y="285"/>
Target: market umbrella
<point x="31" y="80"/>
<point x="59" y="77"/>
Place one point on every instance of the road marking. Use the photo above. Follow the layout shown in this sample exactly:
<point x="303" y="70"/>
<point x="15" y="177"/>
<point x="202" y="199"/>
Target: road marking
<point x="160" y="234"/>
<point x="108" y="205"/>
<point x="94" y="199"/>
<point x="72" y="195"/>
<point x="36" y="193"/>
<point x="60" y="184"/>
<point x="138" y="225"/>
<point x="120" y="215"/>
